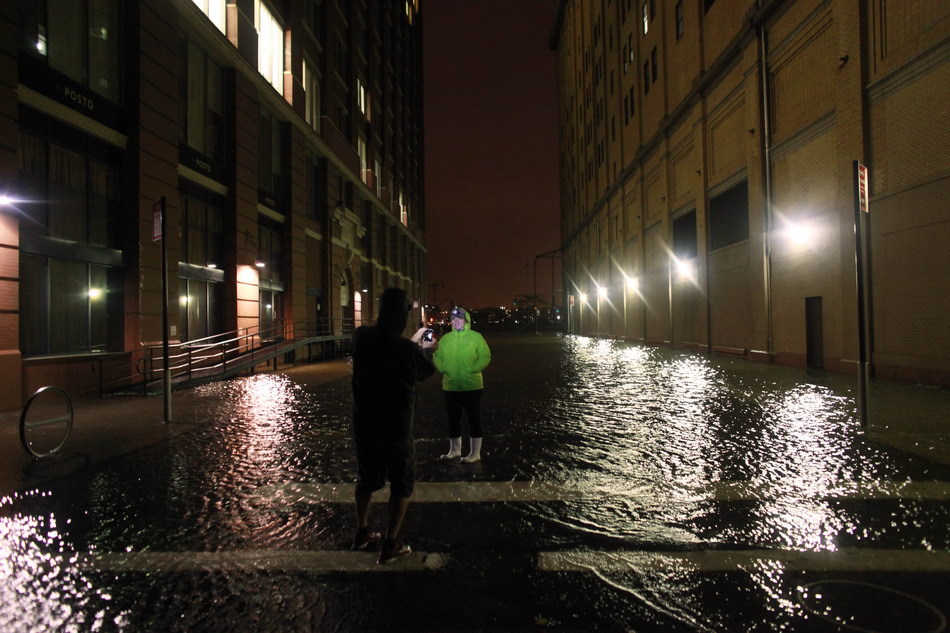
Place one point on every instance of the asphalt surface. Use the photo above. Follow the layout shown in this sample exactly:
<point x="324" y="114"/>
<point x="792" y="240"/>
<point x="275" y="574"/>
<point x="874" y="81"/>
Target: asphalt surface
<point x="139" y="525"/>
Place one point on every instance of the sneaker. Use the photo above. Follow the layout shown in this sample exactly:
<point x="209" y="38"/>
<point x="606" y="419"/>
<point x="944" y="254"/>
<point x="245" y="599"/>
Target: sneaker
<point x="393" y="549"/>
<point x="364" y="538"/>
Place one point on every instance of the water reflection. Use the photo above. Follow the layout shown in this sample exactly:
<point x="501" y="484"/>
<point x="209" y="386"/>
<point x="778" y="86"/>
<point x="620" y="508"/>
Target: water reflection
<point x="634" y="417"/>
<point x="39" y="588"/>
<point x="673" y="452"/>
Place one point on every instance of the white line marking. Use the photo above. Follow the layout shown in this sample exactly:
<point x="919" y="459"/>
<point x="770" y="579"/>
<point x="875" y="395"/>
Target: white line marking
<point x="251" y="560"/>
<point x="532" y="491"/>
<point x="849" y="560"/>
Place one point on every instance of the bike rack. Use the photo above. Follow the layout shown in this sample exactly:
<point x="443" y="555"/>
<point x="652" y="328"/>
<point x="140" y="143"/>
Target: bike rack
<point x="25" y="426"/>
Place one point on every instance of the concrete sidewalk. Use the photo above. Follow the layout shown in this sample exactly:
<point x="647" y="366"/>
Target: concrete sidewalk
<point x="104" y="427"/>
<point x="913" y="418"/>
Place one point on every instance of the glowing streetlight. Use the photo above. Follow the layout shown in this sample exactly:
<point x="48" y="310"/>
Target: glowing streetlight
<point x="684" y="268"/>
<point x="799" y="233"/>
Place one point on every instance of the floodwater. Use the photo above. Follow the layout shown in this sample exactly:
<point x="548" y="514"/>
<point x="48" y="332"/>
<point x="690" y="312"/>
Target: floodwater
<point x="622" y="488"/>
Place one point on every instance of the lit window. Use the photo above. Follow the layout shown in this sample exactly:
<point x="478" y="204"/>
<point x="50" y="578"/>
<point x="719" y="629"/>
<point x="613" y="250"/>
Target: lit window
<point x="362" y="98"/>
<point x="215" y="10"/>
<point x="646" y="18"/>
<point x="270" y="47"/>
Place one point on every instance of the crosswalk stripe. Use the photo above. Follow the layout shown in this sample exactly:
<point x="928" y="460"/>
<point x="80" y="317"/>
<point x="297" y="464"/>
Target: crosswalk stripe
<point x="535" y="491"/>
<point x="848" y="560"/>
<point x="250" y="560"/>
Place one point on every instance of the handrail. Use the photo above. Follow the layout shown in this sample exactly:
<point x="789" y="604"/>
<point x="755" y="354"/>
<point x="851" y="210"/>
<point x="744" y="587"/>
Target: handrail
<point x="220" y="354"/>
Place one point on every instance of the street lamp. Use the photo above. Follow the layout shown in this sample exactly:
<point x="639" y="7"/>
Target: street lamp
<point x="799" y="234"/>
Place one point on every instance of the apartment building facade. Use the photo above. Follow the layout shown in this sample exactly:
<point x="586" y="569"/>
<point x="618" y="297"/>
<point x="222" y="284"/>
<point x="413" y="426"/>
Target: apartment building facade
<point x="708" y="159"/>
<point x="283" y="137"/>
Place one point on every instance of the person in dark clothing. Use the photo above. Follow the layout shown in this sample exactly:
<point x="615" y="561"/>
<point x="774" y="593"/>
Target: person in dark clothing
<point x="386" y="368"/>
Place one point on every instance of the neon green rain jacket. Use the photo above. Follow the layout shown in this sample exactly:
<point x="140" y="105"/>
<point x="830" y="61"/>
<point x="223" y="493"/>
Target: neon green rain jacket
<point x="461" y="357"/>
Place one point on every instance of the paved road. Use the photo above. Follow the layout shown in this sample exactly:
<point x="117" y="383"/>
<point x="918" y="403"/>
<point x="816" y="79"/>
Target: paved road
<point x="620" y="491"/>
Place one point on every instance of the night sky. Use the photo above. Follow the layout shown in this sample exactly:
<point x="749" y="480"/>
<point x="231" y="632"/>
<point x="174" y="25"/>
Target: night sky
<point x="491" y="149"/>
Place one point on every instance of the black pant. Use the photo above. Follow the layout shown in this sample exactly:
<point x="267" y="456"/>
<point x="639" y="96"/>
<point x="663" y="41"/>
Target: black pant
<point x="471" y="403"/>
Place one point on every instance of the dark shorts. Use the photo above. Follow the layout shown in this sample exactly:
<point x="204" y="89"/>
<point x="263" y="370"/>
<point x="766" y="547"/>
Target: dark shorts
<point x="378" y="462"/>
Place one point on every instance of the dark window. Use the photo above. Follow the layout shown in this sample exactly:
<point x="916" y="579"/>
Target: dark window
<point x="75" y="186"/>
<point x="270" y="249"/>
<point x="680" y="24"/>
<point x="70" y="262"/>
<point x="317" y="199"/>
<point x="78" y="38"/>
<point x="270" y="312"/>
<point x="654" y="65"/>
<point x="271" y="158"/>
<point x="684" y="236"/>
<point x="200" y="308"/>
<point x="68" y="307"/>
<point x="729" y="217"/>
<point x="202" y="103"/>
<point x="646" y="78"/>
<point x="202" y="228"/>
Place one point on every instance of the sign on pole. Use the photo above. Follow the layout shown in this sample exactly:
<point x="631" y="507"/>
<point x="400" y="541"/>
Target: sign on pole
<point x="863" y="188"/>
<point x="157" y="220"/>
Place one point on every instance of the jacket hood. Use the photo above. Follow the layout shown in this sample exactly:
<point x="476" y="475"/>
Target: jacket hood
<point x="468" y="317"/>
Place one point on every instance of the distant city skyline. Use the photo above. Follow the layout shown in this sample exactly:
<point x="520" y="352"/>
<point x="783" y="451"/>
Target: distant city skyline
<point x="492" y="197"/>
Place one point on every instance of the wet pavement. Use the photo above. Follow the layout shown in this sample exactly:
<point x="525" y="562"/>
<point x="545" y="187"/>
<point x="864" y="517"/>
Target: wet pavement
<point x="622" y="488"/>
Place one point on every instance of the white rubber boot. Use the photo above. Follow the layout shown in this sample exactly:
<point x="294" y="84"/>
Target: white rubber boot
<point x="475" y="453"/>
<point x="455" y="448"/>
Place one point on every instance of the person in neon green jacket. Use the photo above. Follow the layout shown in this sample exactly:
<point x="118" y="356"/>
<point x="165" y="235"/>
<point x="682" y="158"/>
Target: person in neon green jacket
<point x="461" y="356"/>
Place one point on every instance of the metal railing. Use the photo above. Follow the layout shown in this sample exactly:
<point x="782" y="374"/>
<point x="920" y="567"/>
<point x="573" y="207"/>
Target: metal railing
<point x="222" y="355"/>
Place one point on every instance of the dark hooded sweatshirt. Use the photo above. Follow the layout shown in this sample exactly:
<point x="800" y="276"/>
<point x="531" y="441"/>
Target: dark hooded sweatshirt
<point x="386" y="367"/>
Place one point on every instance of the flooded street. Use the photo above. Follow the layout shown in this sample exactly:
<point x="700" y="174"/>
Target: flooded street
<point x="622" y="488"/>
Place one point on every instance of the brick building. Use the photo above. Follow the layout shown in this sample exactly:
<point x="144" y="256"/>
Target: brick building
<point x="285" y="137"/>
<point x="708" y="154"/>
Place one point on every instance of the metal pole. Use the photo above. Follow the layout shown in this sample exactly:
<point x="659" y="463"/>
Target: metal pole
<point x="860" y="264"/>
<point x="167" y="372"/>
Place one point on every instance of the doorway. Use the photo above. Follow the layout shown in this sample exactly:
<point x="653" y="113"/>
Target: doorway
<point x="814" y="340"/>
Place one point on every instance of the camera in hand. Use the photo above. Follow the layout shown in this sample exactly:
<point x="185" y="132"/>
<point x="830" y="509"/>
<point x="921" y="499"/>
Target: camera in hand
<point x="427" y="335"/>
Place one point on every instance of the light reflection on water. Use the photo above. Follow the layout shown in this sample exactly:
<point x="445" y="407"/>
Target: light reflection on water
<point x="657" y="437"/>
<point x="641" y="416"/>
<point x="39" y="590"/>
<point x="680" y="425"/>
